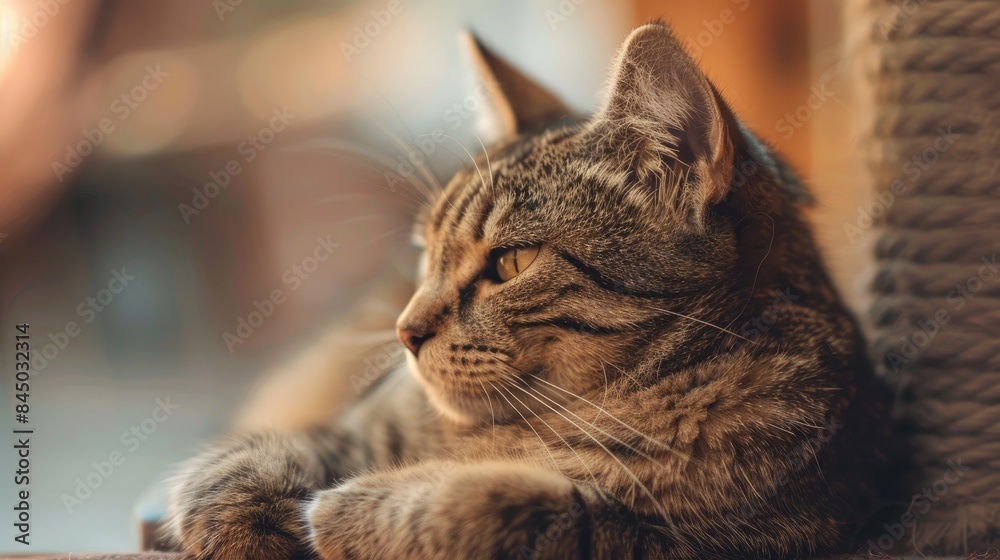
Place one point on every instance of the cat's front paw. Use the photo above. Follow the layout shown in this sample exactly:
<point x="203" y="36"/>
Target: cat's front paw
<point x="242" y="500"/>
<point x="441" y="511"/>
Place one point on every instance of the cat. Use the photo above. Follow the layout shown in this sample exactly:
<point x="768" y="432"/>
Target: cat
<point x="624" y="344"/>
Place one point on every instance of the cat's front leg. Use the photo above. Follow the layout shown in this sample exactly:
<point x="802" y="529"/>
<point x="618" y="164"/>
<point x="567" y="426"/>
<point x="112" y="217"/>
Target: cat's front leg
<point x="243" y="497"/>
<point x="448" y="510"/>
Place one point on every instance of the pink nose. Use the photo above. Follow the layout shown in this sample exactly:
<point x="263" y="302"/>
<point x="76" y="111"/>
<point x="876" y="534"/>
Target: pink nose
<point x="412" y="338"/>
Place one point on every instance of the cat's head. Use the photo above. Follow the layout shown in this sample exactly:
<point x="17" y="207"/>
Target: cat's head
<point x="573" y="251"/>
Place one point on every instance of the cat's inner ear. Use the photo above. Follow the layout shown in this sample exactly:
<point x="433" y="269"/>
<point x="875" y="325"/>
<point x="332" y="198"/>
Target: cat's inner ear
<point x="514" y="103"/>
<point x="670" y="118"/>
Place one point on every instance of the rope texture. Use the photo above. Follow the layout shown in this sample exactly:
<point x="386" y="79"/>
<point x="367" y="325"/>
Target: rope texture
<point x="935" y="147"/>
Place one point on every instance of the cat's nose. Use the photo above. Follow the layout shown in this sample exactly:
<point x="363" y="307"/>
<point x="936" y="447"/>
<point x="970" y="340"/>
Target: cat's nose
<point x="413" y="338"/>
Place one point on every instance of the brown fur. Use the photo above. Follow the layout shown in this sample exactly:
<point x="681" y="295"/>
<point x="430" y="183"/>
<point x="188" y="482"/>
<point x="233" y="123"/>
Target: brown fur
<point x="639" y="390"/>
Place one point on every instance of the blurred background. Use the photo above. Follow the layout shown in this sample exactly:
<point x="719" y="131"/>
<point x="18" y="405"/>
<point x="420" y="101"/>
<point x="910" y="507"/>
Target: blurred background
<point x="165" y="167"/>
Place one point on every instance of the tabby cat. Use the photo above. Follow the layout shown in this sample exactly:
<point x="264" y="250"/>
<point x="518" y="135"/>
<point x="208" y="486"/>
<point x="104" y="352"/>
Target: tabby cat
<point x="623" y="345"/>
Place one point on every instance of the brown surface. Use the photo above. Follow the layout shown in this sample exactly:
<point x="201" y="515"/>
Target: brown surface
<point x="99" y="556"/>
<point x="171" y="556"/>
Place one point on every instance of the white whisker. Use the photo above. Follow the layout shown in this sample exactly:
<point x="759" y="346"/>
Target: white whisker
<point x="347" y="150"/>
<point x="684" y="456"/>
<point x="706" y="323"/>
<point x="553" y="430"/>
<point x="489" y="166"/>
<point x="592" y="425"/>
<point x="653" y="500"/>
<point x="433" y="180"/>
<point x="420" y="165"/>
<point x="555" y="463"/>
<point x="478" y="170"/>
<point x="493" y="446"/>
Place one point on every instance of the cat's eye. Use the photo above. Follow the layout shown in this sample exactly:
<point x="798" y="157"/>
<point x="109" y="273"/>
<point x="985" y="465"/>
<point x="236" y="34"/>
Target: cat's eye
<point x="512" y="262"/>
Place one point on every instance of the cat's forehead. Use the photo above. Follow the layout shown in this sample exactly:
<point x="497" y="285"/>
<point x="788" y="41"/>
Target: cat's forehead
<point x="538" y="157"/>
<point x="528" y="174"/>
<point x="527" y="190"/>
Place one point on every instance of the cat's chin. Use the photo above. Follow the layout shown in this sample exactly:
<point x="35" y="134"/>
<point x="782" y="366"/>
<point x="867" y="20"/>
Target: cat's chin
<point x="467" y="409"/>
<point x="452" y="410"/>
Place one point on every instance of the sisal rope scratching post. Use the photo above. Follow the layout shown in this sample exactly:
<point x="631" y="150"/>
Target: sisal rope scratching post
<point x="934" y="73"/>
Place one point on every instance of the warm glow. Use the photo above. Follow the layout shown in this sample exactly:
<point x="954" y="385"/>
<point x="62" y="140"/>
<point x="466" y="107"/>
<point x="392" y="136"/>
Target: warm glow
<point x="8" y="22"/>
<point x="297" y="65"/>
<point x="149" y="110"/>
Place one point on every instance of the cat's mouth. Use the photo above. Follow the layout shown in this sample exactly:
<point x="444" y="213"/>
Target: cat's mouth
<point x="461" y="363"/>
<point x="467" y="382"/>
<point x="497" y="396"/>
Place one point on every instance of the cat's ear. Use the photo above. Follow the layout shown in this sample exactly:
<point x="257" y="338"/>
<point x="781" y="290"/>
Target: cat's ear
<point x="513" y="102"/>
<point x="672" y="122"/>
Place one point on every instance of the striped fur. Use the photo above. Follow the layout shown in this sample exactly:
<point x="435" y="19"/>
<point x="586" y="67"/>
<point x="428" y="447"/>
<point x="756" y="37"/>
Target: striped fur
<point x="674" y="375"/>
